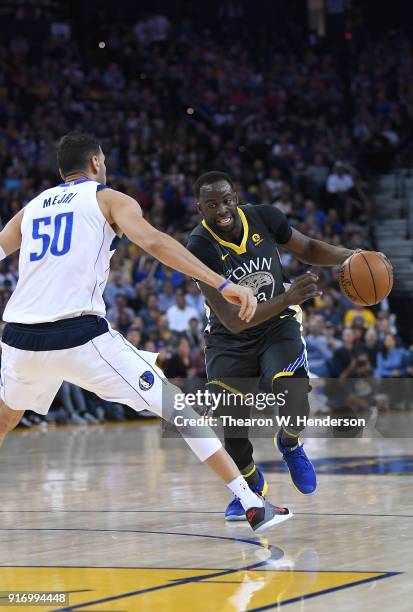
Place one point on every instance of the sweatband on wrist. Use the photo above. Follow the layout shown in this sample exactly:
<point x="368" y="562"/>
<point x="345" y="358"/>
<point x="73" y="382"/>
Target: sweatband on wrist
<point x="2" y="254"/>
<point x="223" y="285"/>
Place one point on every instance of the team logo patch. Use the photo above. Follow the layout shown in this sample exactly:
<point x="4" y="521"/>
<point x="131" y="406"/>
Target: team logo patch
<point x="256" y="281"/>
<point x="256" y="238"/>
<point x="146" y="380"/>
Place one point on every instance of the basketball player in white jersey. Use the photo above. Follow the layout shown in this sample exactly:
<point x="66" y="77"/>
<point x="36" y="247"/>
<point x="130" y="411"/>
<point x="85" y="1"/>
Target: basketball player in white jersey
<point x="56" y="328"/>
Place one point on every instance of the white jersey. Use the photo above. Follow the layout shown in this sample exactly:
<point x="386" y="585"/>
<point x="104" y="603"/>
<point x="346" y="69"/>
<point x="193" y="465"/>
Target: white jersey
<point x="64" y="256"/>
<point x="63" y="267"/>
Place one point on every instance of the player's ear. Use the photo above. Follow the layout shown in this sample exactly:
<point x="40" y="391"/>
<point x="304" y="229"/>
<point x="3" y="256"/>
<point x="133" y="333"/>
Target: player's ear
<point x="95" y="163"/>
<point x="198" y="208"/>
<point x="236" y="198"/>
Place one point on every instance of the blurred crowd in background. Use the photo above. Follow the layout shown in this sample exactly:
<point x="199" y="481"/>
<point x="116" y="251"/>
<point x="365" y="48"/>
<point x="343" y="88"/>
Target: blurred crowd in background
<point x="289" y="124"/>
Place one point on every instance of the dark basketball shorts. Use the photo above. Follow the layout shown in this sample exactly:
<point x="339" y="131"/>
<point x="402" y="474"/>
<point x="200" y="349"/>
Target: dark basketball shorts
<point x="276" y="363"/>
<point x="279" y="355"/>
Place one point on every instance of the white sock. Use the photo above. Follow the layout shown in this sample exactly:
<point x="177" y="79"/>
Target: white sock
<point x="240" y="488"/>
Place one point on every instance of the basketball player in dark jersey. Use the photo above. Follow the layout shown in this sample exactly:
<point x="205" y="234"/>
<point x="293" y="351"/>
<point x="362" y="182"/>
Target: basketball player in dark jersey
<point x="240" y="242"/>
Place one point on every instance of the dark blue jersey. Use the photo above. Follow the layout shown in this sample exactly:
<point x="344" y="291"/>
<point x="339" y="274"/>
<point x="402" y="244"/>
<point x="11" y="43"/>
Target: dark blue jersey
<point x="254" y="263"/>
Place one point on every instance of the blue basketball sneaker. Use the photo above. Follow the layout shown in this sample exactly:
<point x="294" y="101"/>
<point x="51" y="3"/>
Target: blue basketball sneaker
<point x="301" y="469"/>
<point x="235" y="511"/>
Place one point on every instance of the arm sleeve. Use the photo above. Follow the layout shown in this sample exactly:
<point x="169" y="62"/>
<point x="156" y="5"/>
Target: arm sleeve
<point x="205" y="251"/>
<point x="276" y="222"/>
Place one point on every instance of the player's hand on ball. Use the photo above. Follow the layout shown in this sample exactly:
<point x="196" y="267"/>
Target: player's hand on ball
<point x="366" y="277"/>
<point x="303" y="288"/>
<point x="242" y="297"/>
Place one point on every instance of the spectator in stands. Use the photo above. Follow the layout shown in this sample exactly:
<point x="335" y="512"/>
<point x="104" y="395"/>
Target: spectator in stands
<point x="143" y="269"/>
<point x="340" y="180"/>
<point x="358" y="205"/>
<point x="392" y="360"/>
<point x="343" y="357"/>
<point x="178" y="367"/>
<point x="140" y="299"/>
<point x="333" y="342"/>
<point x="119" y="314"/>
<point x="180" y="314"/>
<point x="357" y="387"/>
<point x="274" y="184"/>
<point x="331" y="311"/>
<point x="123" y="321"/>
<point x="117" y="285"/>
<point x="150" y="314"/>
<point x="195" y="299"/>
<point x="333" y="222"/>
<point x="392" y="365"/>
<point x="385" y="326"/>
<point x="311" y="212"/>
<point x="360" y="312"/>
<point x="137" y="324"/>
<point x="284" y="200"/>
<point x="359" y="331"/>
<point x="339" y="185"/>
<point x="317" y="174"/>
<point x="194" y="334"/>
<point x="165" y="335"/>
<point x="166" y="297"/>
<point x="317" y="346"/>
<point x="372" y="346"/>
<point x="7" y="278"/>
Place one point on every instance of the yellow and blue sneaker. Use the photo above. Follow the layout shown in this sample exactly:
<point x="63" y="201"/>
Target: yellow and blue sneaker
<point x="235" y="511"/>
<point x="300" y="467"/>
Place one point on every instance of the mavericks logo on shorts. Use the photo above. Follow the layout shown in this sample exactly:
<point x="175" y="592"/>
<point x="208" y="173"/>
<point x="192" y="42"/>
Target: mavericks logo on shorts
<point x="146" y="380"/>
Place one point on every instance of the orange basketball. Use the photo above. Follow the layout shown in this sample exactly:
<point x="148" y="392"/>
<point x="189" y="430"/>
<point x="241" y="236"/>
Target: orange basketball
<point x="366" y="278"/>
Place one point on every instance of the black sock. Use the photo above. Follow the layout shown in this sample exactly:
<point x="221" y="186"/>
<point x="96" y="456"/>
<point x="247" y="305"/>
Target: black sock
<point x="253" y="477"/>
<point x="287" y="439"/>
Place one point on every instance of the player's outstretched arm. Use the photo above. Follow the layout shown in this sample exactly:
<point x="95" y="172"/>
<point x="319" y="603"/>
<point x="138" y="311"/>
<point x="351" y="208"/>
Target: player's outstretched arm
<point x="11" y="236"/>
<point x="303" y="288"/>
<point x="126" y="214"/>
<point x="315" y="252"/>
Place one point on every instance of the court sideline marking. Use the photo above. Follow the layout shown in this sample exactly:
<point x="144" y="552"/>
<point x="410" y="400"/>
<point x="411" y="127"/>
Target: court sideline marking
<point x="172" y="511"/>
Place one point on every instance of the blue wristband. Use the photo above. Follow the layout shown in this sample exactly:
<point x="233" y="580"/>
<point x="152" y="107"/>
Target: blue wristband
<point x="223" y="285"/>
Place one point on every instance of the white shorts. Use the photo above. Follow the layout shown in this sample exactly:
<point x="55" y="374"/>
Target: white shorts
<point x="108" y="365"/>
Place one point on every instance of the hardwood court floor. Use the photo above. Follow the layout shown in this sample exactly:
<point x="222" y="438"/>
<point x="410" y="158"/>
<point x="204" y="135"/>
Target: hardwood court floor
<point x="125" y="521"/>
